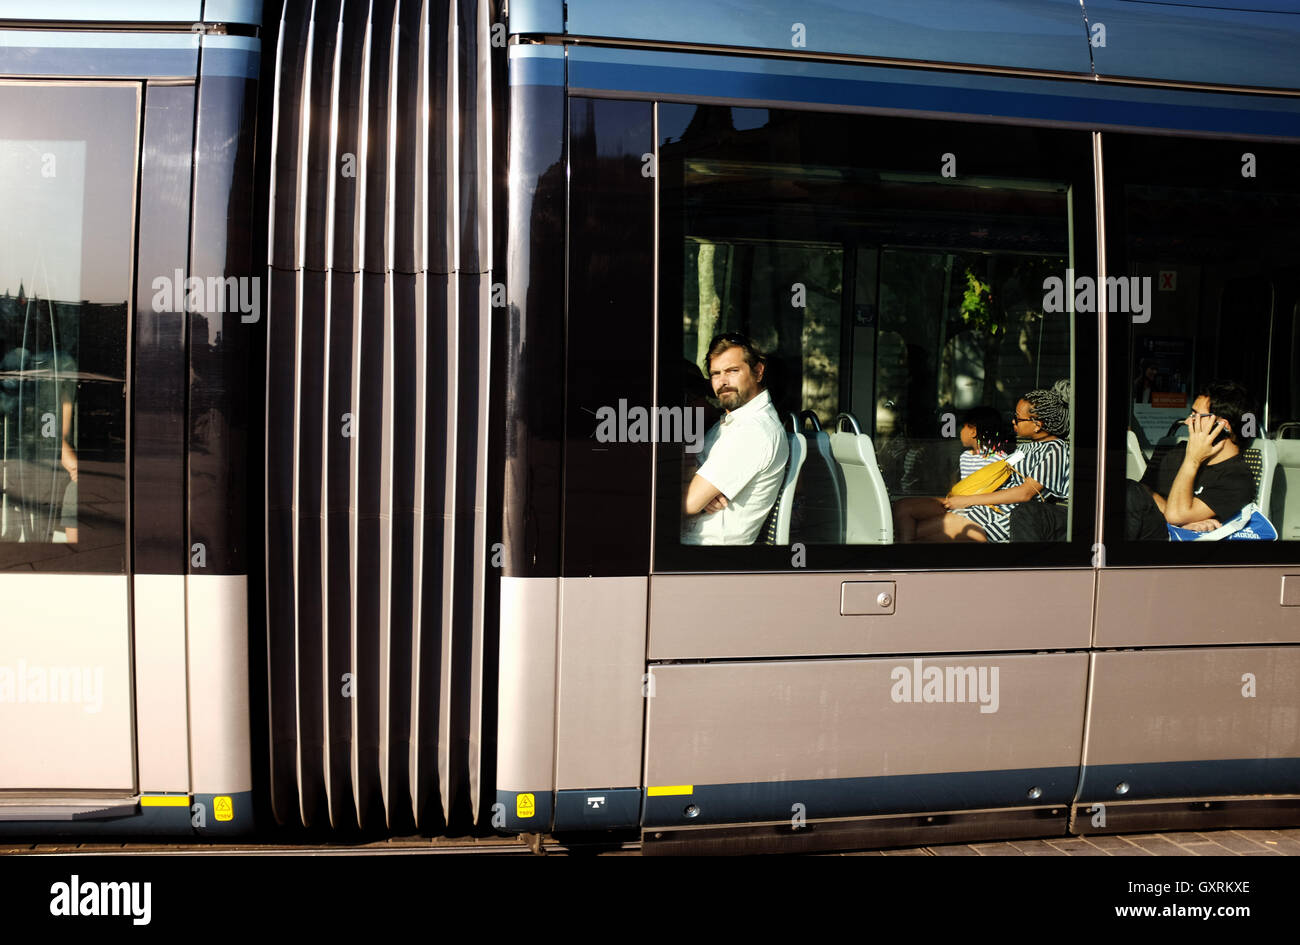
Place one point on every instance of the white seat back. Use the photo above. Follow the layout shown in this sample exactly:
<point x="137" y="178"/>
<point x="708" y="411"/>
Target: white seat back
<point x="1283" y="508"/>
<point x="867" y="514"/>
<point x="1136" y="464"/>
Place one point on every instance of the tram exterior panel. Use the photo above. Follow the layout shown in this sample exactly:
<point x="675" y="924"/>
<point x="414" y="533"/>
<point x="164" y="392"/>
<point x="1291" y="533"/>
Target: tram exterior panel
<point x="356" y="557"/>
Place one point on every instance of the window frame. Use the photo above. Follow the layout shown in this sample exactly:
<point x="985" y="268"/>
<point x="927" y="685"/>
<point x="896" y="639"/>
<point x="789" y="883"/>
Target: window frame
<point x="980" y="153"/>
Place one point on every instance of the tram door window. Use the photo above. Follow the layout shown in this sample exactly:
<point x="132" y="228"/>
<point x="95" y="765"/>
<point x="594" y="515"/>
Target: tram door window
<point x="67" y="176"/>
<point x="901" y="312"/>
<point x="1214" y="230"/>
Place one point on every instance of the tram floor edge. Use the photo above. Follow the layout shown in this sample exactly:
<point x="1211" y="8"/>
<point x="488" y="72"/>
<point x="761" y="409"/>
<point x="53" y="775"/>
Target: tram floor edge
<point x="850" y="833"/>
<point x="937" y="829"/>
<point x="1199" y="813"/>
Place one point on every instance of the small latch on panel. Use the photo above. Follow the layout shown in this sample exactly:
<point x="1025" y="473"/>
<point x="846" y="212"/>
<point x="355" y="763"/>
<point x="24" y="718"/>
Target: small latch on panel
<point x="1291" y="590"/>
<point x="864" y="598"/>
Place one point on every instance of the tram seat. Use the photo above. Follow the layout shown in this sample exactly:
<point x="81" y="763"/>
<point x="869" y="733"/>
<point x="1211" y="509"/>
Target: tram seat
<point x="776" y="527"/>
<point x="867" y="513"/>
<point x="1261" y="459"/>
<point x="819" y="502"/>
<point x="1145" y="446"/>
<point x="1136" y="464"/>
<point x="1177" y="434"/>
<point x="1283" y="509"/>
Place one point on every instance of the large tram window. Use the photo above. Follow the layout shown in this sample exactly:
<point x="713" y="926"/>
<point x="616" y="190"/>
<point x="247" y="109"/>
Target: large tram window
<point x="1214" y="229"/>
<point x="901" y="310"/>
<point x="67" y="186"/>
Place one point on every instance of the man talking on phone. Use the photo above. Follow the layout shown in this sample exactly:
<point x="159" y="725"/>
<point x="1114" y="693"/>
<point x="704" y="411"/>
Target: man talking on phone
<point x="1205" y="481"/>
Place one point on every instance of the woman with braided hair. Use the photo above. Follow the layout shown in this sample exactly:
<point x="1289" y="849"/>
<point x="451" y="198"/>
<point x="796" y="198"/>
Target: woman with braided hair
<point x="1043" y="418"/>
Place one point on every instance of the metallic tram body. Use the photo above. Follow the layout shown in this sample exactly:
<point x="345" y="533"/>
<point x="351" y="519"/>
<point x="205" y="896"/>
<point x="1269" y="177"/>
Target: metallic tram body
<point x="429" y="577"/>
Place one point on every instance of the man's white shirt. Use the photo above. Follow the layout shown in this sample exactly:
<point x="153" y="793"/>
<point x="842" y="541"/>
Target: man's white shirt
<point x="744" y="456"/>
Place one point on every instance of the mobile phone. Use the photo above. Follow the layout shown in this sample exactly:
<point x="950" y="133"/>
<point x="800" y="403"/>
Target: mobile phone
<point x="1223" y="430"/>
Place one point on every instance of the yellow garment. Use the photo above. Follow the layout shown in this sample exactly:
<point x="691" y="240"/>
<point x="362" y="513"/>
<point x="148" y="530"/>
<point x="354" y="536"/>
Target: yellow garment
<point x="988" y="479"/>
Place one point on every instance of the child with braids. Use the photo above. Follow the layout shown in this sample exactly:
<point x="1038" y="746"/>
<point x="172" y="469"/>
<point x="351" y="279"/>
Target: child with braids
<point x="1043" y="418"/>
<point x="986" y="439"/>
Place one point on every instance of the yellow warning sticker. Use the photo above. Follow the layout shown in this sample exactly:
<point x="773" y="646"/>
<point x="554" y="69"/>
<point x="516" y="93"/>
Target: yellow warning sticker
<point x="223" y="808"/>
<point x="525" y="805"/>
<point x="671" y="790"/>
<point x="165" y="800"/>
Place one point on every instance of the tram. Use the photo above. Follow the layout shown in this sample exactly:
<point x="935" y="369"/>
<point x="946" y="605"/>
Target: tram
<point x="355" y="382"/>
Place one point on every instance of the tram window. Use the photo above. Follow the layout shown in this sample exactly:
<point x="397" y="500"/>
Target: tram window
<point x="899" y="310"/>
<point x="67" y="174"/>
<point x="1221" y="338"/>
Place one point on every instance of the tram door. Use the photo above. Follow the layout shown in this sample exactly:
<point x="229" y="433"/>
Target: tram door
<point x="68" y="184"/>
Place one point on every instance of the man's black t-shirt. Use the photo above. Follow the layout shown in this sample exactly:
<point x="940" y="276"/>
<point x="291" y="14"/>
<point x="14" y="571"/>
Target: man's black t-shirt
<point x="1225" y="487"/>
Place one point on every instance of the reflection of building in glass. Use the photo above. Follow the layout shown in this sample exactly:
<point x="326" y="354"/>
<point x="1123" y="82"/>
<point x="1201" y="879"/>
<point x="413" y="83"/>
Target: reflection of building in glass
<point x="45" y="395"/>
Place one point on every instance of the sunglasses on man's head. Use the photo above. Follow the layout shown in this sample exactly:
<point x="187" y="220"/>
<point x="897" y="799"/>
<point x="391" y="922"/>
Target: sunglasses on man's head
<point x="731" y="338"/>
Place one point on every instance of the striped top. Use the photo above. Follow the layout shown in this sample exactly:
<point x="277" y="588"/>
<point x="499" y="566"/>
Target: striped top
<point x="970" y="461"/>
<point x="1047" y="462"/>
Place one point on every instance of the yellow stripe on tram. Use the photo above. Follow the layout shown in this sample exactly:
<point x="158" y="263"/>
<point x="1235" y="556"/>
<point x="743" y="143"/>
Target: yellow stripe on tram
<point x="671" y="790"/>
<point x="165" y="800"/>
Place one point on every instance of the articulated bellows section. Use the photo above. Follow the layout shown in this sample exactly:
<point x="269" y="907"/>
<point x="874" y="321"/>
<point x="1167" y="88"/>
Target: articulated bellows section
<point x="376" y="447"/>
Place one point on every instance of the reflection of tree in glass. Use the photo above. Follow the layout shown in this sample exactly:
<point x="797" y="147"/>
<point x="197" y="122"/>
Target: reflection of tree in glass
<point x="751" y="288"/>
<point x="999" y="335"/>
<point x="710" y="305"/>
<point x="820" y="341"/>
<point x="977" y="305"/>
